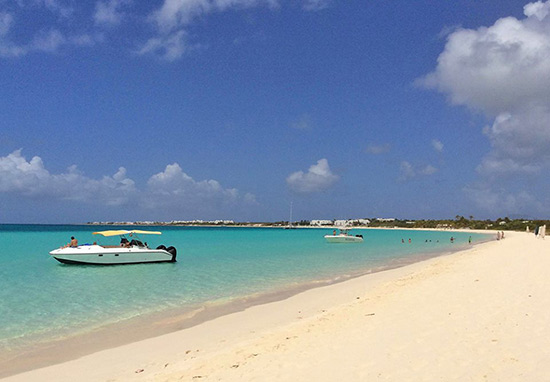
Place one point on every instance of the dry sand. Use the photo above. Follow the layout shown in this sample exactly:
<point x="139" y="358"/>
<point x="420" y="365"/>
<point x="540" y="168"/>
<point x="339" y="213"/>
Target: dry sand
<point x="477" y="315"/>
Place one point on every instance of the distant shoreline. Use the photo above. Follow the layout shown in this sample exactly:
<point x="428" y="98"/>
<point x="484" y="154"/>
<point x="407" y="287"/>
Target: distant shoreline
<point x="458" y="224"/>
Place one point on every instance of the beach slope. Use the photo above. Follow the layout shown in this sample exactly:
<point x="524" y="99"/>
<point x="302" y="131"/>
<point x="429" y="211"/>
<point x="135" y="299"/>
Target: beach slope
<point x="475" y="315"/>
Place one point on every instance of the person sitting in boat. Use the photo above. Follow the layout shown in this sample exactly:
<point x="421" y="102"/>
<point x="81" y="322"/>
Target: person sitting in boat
<point x="73" y="243"/>
<point x="124" y="242"/>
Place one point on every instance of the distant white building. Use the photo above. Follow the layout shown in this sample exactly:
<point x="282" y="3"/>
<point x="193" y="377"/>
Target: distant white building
<point x="223" y="222"/>
<point x="340" y="223"/>
<point x="319" y="223"/>
<point x="385" y="219"/>
<point x="352" y="222"/>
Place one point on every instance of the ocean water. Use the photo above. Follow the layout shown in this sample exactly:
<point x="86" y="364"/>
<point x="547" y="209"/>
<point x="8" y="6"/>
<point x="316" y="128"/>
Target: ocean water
<point x="43" y="300"/>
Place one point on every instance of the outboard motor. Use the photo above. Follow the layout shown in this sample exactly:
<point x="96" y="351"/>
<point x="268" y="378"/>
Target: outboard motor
<point x="173" y="252"/>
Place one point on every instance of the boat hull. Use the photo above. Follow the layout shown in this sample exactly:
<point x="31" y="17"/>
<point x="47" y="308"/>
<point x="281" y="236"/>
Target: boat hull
<point x="343" y="239"/>
<point x="97" y="255"/>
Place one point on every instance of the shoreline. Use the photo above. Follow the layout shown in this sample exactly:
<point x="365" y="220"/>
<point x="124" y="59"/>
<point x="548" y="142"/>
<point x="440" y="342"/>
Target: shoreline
<point x="242" y="327"/>
<point x="158" y="323"/>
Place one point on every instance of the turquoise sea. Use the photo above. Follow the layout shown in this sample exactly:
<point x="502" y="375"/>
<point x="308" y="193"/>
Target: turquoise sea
<point x="42" y="300"/>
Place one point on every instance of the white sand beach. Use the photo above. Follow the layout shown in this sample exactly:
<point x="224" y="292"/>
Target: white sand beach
<point x="481" y="314"/>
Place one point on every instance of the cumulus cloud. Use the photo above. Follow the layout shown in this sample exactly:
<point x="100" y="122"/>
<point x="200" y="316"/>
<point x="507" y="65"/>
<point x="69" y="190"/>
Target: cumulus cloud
<point x="520" y="143"/>
<point x="169" y="190"/>
<point x="492" y="68"/>
<point x="175" y="187"/>
<point x="503" y="71"/>
<point x="319" y="177"/>
<point x="32" y="179"/>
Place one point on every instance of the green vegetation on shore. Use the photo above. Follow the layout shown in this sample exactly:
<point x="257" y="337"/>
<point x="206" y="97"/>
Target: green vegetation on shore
<point x="460" y="222"/>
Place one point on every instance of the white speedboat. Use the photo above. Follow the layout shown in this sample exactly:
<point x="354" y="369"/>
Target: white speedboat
<point x="343" y="237"/>
<point x="132" y="251"/>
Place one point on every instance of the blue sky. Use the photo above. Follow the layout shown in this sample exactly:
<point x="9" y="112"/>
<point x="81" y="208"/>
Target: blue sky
<point x="233" y="109"/>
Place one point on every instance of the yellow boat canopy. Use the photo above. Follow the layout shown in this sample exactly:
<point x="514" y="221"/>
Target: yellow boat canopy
<point x="126" y="232"/>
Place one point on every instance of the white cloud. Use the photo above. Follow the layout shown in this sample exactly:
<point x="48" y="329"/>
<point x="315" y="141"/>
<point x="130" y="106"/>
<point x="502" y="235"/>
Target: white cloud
<point x="504" y="71"/>
<point x="378" y="149"/>
<point x="437" y="145"/>
<point x="318" y="178"/>
<point x="170" y="47"/>
<point x="174" y="182"/>
<point x="69" y="24"/>
<point x="174" y="14"/>
<point x="519" y="142"/>
<point x="109" y="12"/>
<point x="48" y="40"/>
<point x="539" y="10"/>
<point x="31" y="179"/>
<point x="170" y="190"/>
<point x="177" y="191"/>
<point x="492" y="68"/>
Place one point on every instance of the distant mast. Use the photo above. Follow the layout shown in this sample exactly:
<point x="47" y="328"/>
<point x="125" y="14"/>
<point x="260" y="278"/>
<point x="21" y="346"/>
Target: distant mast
<point x="290" y="218"/>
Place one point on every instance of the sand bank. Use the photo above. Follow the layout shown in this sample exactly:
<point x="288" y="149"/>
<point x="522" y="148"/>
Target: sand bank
<point x="479" y="314"/>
